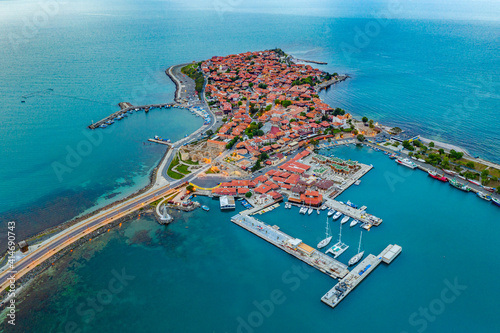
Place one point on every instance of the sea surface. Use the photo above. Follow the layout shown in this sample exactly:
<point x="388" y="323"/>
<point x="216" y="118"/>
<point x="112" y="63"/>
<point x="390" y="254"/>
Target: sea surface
<point x="205" y="274"/>
<point x="73" y="63"/>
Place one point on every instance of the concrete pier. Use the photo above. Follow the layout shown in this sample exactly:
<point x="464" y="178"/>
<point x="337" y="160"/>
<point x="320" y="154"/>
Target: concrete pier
<point x="335" y="295"/>
<point x="293" y="246"/>
<point x="129" y="107"/>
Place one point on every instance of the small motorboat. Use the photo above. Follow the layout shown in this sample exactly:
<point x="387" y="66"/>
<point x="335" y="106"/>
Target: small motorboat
<point x="483" y="196"/>
<point x="317" y="211"/>
<point x="309" y="211"/>
<point x="337" y="215"/>
<point x="205" y="208"/>
<point x="331" y="212"/>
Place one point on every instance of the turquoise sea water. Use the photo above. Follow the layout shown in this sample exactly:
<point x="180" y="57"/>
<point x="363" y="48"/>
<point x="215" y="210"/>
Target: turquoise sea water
<point x="203" y="273"/>
<point x="436" y="77"/>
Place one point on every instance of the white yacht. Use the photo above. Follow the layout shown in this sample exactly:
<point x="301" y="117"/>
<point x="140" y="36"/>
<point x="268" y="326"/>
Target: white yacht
<point x="331" y="212"/>
<point x="353" y="223"/>
<point x="345" y="219"/>
<point x="406" y="162"/>
<point x="337" y="215"/>
<point x="339" y="247"/>
<point x="328" y="237"/>
<point x="360" y="254"/>
<point x="309" y="211"/>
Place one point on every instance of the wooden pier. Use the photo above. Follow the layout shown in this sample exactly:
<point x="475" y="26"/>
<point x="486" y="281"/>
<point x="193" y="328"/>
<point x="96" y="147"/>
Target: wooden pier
<point x="126" y="107"/>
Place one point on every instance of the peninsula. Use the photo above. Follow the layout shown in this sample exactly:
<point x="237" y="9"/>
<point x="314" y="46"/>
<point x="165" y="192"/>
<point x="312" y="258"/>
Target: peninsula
<point x="265" y="126"/>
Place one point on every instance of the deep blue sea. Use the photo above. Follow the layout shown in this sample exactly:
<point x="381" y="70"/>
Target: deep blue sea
<point x="78" y="60"/>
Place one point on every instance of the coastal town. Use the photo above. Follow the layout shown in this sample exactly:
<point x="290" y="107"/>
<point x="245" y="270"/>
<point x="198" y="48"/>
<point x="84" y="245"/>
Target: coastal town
<point x="263" y="142"/>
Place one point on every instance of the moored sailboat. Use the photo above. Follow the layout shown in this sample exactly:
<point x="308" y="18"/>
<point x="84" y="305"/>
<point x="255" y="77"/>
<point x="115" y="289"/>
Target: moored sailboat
<point x="360" y="253"/>
<point x="328" y="237"/>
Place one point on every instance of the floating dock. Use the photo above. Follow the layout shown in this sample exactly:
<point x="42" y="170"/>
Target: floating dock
<point x="335" y="295"/>
<point x="293" y="246"/>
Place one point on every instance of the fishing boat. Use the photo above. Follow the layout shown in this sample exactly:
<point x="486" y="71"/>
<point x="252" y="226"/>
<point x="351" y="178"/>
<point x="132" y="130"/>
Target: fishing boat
<point x="449" y="172"/>
<point x="486" y="197"/>
<point x="353" y="223"/>
<point x="330" y="212"/>
<point x="435" y="175"/>
<point x="496" y="201"/>
<point x="489" y="189"/>
<point x="345" y="219"/>
<point x="407" y="163"/>
<point x="475" y="182"/>
<point x="205" y="208"/>
<point x="339" y="247"/>
<point x="337" y="215"/>
<point x="328" y="237"/>
<point x="393" y="156"/>
<point x="360" y="254"/>
<point x="103" y="126"/>
<point x="460" y="186"/>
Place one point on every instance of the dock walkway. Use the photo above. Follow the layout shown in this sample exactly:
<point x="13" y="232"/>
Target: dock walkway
<point x="273" y="235"/>
<point x="123" y="111"/>
<point x="335" y="295"/>
<point x="319" y="260"/>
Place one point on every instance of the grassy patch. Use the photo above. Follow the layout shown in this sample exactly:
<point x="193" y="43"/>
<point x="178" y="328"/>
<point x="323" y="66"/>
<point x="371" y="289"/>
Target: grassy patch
<point x="183" y="169"/>
<point x="170" y="197"/>
<point x="191" y="162"/>
<point x="173" y="174"/>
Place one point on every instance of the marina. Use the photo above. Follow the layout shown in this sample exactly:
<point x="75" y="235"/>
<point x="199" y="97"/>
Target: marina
<point x="127" y="108"/>
<point x="319" y="260"/>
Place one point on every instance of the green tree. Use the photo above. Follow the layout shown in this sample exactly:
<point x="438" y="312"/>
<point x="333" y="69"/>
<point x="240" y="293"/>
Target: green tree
<point x="470" y="164"/>
<point x="209" y="132"/>
<point x="455" y="155"/>
<point x="190" y="188"/>
<point x="370" y="123"/>
<point x="360" y="137"/>
<point x="431" y="144"/>
<point x="364" y="119"/>
<point x="248" y="194"/>
<point x="441" y="151"/>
